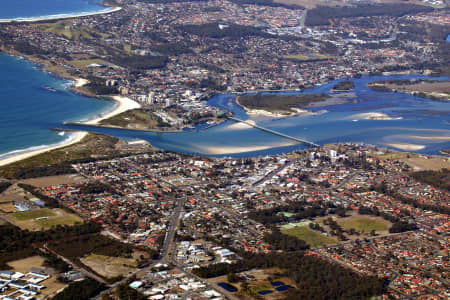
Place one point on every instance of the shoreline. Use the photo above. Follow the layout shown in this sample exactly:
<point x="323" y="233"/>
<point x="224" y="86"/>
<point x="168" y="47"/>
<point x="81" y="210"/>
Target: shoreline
<point x="60" y="16"/>
<point x="122" y="104"/>
<point x="262" y="112"/>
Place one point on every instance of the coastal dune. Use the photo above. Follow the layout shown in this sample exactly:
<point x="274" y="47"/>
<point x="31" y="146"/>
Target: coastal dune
<point x="123" y="104"/>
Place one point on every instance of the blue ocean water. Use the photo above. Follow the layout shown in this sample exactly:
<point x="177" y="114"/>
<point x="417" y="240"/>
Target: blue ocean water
<point x="39" y="8"/>
<point x="28" y="108"/>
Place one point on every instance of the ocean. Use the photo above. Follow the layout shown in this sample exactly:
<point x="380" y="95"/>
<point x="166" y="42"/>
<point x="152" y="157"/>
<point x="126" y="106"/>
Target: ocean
<point x="40" y="8"/>
<point x="32" y="102"/>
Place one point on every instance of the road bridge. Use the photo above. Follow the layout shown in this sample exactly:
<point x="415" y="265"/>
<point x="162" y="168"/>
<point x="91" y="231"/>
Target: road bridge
<point x="301" y="141"/>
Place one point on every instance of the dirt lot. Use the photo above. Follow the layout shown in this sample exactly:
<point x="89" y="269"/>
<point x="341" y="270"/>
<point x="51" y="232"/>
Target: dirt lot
<point x="55" y="180"/>
<point x="24" y="266"/>
<point x="14" y="193"/>
<point x="110" y="267"/>
<point x="418" y="162"/>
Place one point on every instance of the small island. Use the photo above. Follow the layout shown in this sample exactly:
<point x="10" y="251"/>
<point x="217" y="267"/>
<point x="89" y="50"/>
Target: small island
<point x="170" y="121"/>
<point x="279" y="105"/>
<point x="344" y="86"/>
<point x="433" y="89"/>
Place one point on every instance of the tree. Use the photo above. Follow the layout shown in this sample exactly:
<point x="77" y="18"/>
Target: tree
<point x="232" y="277"/>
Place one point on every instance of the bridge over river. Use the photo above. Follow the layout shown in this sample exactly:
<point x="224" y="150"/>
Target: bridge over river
<point x="302" y="141"/>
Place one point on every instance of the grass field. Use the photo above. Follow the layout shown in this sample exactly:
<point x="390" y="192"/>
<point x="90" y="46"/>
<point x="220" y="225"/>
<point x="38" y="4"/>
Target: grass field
<point x="68" y="30"/>
<point x="313" y="238"/>
<point x="312" y="57"/>
<point x="64" y="220"/>
<point x="84" y="63"/>
<point x="51" y="217"/>
<point x="33" y="214"/>
<point x="365" y="224"/>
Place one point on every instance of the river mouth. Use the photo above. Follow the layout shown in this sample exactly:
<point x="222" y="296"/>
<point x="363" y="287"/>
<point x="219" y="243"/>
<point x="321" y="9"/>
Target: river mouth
<point x="398" y="121"/>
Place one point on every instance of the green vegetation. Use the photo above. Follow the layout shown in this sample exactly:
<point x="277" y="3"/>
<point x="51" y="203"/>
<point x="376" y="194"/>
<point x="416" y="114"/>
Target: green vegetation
<point x="79" y="246"/>
<point x="439" y="179"/>
<point x="97" y="187"/>
<point x="17" y="244"/>
<point x="309" y="273"/>
<point x="311" y="237"/>
<point x="402" y="226"/>
<point x="277" y="214"/>
<point x="85" y="289"/>
<point x="274" y="102"/>
<point x="346" y="85"/>
<point x="67" y="29"/>
<point x="97" y="86"/>
<point x="58" y="162"/>
<point x="137" y="117"/>
<point x="33" y="214"/>
<point x="140" y="62"/>
<point x="171" y="49"/>
<point x="321" y="15"/>
<point x="364" y="224"/>
<point x="308" y="58"/>
<point x="64" y="220"/>
<point x="125" y="292"/>
<point x="281" y="241"/>
<point x="84" y="63"/>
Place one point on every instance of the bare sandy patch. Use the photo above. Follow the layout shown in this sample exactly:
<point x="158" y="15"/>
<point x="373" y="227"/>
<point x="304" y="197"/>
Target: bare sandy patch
<point x="55" y="180"/>
<point x="231" y="150"/>
<point x="434" y="138"/>
<point x="242" y="125"/>
<point x="110" y="267"/>
<point x="373" y="116"/>
<point x="407" y="147"/>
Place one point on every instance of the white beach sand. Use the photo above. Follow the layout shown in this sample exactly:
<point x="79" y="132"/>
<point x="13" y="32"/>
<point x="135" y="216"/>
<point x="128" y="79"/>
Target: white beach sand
<point x="241" y="125"/>
<point x="62" y="16"/>
<point x="407" y="147"/>
<point x="233" y="149"/>
<point x="373" y="116"/>
<point x="124" y="104"/>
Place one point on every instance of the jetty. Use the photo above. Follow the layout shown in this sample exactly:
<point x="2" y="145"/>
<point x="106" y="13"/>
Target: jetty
<point x="298" y="140"/>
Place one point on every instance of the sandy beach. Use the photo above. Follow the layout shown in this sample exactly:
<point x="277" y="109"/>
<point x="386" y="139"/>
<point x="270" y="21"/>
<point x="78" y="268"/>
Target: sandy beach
<point x="62" y="16"/>
<point x="219" y="150"/>
<point x="433" y="138"/>
<point x="123" y="104"/>
<point x="242" y="125"/>
<point x="373" y="116"/>
<point x="407" y="147"/>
